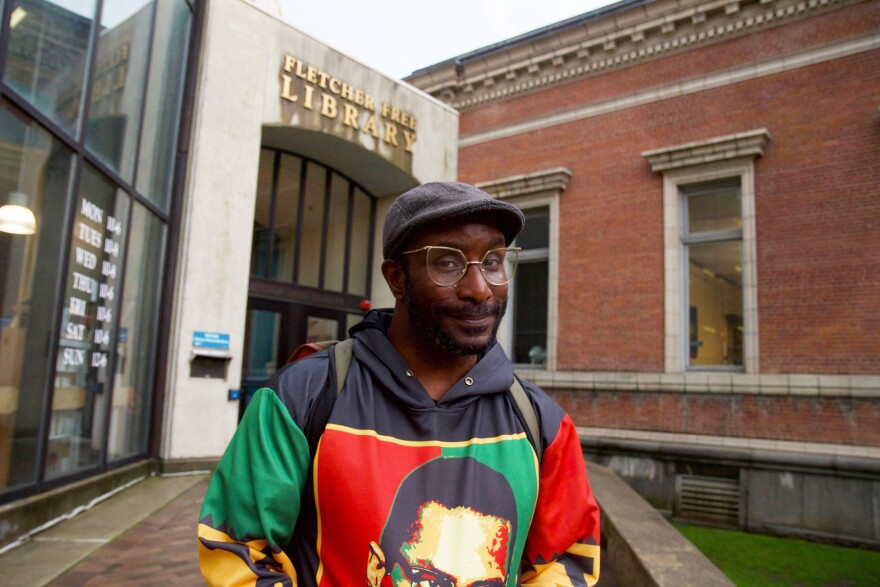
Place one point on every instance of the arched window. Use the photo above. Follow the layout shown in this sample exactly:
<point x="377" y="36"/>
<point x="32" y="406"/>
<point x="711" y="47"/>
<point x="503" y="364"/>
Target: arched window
<point x="312" y="226"/>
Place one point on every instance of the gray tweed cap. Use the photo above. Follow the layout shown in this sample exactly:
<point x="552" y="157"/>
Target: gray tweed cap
<point x="434" y="202"/>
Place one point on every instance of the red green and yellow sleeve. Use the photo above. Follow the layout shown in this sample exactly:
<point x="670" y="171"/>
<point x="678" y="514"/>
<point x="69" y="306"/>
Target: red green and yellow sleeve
<point x="253" y="500"/>
<point x="562" y="549"/>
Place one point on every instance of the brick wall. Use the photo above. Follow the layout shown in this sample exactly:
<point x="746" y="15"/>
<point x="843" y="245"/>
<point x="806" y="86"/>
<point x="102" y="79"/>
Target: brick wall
<point x="817" y="198"/>
<point x="847" y="421"/>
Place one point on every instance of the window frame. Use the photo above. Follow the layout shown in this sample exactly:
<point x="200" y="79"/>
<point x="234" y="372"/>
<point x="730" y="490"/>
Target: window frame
<point x="677" y="240"/>
<point x="535" y="190"/>
<point x="695" y="162"/>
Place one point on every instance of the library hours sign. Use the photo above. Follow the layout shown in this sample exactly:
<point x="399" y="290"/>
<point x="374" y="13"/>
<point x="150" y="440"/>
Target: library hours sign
<point x="93" y="279"/>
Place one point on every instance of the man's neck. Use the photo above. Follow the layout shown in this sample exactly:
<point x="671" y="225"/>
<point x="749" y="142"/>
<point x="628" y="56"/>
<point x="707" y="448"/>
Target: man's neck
<point x="436" y="369"/>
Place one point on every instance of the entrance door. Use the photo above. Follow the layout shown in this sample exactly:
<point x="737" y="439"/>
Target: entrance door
<point x="274" y="330"/>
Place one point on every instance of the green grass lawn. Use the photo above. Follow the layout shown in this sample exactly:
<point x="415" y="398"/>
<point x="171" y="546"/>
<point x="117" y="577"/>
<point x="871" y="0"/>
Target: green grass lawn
<point x="760" y="561"/>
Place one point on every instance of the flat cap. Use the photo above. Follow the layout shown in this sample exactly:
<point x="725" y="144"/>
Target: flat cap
<point x="435" y="202"/>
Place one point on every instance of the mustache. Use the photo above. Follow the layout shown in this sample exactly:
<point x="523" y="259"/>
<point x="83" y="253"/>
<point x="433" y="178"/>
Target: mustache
<point x="471" y="310"/>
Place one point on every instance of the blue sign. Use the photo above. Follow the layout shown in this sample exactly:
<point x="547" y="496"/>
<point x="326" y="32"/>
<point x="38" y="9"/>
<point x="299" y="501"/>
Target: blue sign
<point x="210" y="340"/>
<point x="123" y="335"/>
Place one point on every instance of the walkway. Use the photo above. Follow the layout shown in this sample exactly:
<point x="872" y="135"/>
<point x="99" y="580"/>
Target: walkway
<point x="143" y="536"/>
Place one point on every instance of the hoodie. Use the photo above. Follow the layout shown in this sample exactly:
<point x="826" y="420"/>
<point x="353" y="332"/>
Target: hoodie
<point x="446" y="492"/>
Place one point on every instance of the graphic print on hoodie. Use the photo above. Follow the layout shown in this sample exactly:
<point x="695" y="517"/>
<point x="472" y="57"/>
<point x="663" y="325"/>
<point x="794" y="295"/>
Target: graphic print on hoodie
<point x="404" y="490"/>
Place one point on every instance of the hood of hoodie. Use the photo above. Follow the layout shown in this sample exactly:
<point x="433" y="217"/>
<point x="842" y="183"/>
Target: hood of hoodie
<point x="492" y="374"/>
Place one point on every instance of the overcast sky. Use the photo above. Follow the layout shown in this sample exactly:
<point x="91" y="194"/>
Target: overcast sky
<point x="397" y="37"/>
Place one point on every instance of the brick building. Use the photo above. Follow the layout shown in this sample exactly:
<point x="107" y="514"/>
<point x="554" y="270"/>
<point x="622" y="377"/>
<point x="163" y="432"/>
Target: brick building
<point x="700" y="279"/>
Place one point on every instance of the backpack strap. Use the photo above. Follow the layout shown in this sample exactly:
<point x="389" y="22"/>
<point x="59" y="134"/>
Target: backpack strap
<point x="340" y="361"/>
<point x="342" y="352"/>
<point x="525" y="411"/>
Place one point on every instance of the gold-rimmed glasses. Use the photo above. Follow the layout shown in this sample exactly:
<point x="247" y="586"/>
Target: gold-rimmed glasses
<point x="447" y="265"/>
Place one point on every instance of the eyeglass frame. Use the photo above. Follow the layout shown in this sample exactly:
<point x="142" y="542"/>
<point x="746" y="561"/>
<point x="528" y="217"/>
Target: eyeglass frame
<point x="427" y="249"/>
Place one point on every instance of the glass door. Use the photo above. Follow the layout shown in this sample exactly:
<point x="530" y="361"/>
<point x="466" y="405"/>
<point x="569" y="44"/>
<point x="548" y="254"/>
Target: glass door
<point x="274" y="330"/>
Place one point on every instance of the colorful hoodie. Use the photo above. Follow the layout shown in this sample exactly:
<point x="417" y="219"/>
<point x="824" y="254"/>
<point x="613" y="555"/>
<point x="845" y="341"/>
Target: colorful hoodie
<point x="403" y="490"/>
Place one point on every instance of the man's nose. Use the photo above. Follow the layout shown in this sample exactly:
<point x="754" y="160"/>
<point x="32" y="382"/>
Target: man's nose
<point x="473" y="285"/>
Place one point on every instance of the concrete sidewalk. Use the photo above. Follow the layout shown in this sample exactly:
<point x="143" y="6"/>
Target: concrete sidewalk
<point x="144" y="535"/>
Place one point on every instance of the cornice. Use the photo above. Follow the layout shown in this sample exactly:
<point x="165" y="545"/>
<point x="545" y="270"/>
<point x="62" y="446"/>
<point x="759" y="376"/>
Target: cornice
<point x="555" y="180"/>
<point x="744" y="144"/>
<point x="608" y="43"/>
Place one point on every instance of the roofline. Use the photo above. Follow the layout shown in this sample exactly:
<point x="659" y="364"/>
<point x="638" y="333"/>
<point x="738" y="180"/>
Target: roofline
<point x="545" y="31"/>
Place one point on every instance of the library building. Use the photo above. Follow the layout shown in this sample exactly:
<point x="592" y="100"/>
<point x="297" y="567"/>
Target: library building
<point x="189" y="191"/>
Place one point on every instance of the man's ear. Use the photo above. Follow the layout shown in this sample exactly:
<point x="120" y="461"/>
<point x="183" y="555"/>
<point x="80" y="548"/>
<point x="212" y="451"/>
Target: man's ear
<point x="395" y="276"/>
<point x="375" y="565"/>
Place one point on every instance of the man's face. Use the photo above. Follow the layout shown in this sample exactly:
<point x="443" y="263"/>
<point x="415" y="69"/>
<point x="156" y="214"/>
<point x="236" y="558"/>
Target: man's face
<point x="454" y="548"/>
<point x="461" y="319"/>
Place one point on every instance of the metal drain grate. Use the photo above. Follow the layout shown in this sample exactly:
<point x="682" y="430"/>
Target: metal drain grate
<point x="710" y="499"/>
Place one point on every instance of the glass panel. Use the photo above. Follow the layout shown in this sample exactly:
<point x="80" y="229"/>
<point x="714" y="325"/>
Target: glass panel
<point x="90" y="315"/>
<point x="133" y="384"/>
<point x="286" y="214"/>
<point x="530" y="313"/>
<point x="713" y="206"/>
<point x="360" y="253"/>
<point x="262" y="344"/>
<point x="334" y="268"/>
<point x="164" y="96"/>
<point x="536" y="233"/>
<point x="34" y="173"/>
<point x="48" y="47"/>
<point x="262" y="212"/>
<point x="115" y="107"/>
<point x="716" y="303"/>
<point x="261" y="352"/>
<point x="309" y="247"/>
<point x="320" y="329"/>
<point x="352" y="320"/>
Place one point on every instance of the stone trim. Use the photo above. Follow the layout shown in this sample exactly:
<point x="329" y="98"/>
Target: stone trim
<point x="555" y="180"/>
<point x="588" y="435"/>
<point x="843" y="386"/>
<point x="788" y="62"/>
<point x="744" y="144"/>
<point x="606" y="43"/>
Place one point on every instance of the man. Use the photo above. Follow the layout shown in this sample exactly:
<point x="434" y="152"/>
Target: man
<point x="426" y="382"/>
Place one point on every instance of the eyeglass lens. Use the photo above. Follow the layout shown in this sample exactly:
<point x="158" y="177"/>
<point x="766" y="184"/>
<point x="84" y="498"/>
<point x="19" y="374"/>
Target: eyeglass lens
<point x="446" y="266"/>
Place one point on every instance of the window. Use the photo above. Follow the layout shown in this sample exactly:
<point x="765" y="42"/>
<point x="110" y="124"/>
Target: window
<point x="711" y="305"/>
<point x="312" y="226"/>
<point x="529" y="293"/>
<point x="528" y="331"/>
<point x="82" y="84"/>
<point x="712" y="241"/>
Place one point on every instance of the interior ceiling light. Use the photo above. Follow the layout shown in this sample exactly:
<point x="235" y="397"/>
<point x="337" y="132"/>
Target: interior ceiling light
<point x="17" y="16"/>
<point x="16" y="217"/>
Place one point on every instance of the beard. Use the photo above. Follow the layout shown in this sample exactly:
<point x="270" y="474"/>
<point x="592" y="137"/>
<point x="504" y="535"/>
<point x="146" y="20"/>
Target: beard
<point x="428" y="325"/>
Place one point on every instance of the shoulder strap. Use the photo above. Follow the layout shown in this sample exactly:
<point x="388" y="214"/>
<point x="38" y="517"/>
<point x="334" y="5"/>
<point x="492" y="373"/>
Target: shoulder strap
<point x="343" y="351"/>
<point x="340" y="361"/>
<point x="525" y="411"/>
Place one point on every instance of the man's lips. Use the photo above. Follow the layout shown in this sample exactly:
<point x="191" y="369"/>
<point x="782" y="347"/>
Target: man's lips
<point x="473" y="317"/>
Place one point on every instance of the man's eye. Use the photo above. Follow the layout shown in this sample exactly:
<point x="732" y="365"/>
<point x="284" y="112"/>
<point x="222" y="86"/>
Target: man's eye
<point x="447" y="264"/>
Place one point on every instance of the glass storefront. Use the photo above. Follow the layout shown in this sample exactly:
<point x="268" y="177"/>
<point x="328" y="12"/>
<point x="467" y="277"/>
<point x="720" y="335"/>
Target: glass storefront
<point x="90" y="109"/>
